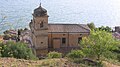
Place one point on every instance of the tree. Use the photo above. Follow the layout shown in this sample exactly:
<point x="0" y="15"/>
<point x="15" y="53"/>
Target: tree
<point x="103" y="28"/>
<point x="91" y="25"/>
<point x="98" y="43"/>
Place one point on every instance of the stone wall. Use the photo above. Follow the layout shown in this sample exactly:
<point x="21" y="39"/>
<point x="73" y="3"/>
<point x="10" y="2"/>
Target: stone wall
<point x="71" y="39"/>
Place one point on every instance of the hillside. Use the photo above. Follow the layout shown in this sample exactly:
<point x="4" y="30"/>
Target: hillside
<point x="12" y="62"/>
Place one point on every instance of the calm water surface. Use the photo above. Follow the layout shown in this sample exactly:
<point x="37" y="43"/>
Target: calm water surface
<point x="101" y="12"/>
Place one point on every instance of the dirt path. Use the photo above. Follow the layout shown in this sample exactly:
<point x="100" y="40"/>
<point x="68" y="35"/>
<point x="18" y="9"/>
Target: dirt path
<point x="107" y="64"/>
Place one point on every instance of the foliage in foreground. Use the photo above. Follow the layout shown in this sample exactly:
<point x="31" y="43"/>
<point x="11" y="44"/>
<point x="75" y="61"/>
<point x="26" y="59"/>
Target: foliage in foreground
<point x="75" y="54"/>
<point x="16" y="50"/>
<point x="78" y="56"/>
<point x="54" y="55"/>
<point x="98" y="44"/>
<point x="93" y="48"/>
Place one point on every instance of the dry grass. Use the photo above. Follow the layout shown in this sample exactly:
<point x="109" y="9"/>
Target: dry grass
<point x="12" y="62"/>
<point x="61" y="62"/>
<point x="107" y="64"/>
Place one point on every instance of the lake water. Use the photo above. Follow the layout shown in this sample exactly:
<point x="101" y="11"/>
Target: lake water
<point x="101" y="12"/>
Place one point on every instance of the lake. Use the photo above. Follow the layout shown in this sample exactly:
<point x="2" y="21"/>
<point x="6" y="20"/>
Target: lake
<point x="101" y="12"/>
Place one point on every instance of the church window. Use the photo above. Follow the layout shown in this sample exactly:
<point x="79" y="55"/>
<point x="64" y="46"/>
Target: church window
<point x="79" y="39"/>
<point x="41" y="24"/>
<point x="41" y="42"/>
<point x="63" y="40"/>
<point x="63" y="34"/>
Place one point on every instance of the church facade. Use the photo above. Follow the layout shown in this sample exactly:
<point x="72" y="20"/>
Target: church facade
<point x="48" y="37"/>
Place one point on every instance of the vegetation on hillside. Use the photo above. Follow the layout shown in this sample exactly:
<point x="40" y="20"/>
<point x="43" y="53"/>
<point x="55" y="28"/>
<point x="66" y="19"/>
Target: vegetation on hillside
<point x="54" y="55"/>
<point x="17" y="50"/>
<point x="99" y="46"/>
<point x="99" y="43"/>
<point x="102" y="28"/>
<point x="105" y="28"/>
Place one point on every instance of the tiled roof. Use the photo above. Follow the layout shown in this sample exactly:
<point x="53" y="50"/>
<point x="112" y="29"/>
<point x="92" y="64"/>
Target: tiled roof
<point x="68" y="28"/>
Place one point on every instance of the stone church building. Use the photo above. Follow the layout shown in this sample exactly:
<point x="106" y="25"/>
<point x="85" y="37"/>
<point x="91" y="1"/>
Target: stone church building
<point x="48" y="37"/>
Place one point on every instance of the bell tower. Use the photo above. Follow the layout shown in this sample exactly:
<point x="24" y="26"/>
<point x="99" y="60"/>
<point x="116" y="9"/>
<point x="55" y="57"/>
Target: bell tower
<point x="39" y="31"/>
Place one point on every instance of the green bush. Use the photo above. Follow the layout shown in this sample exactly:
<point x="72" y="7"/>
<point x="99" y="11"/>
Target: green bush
<point x="118" y="57"/>
<point x="54" y="55"/>
<point x="16" y="50"/>
<point x="76" y="56"/>
<point x="110" y="55"/>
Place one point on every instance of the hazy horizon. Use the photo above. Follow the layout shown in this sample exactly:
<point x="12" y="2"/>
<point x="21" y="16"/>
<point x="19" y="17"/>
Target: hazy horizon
<point x="101" y="12"/>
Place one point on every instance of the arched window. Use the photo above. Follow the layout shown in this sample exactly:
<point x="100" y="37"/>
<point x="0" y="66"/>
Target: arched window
<point x="41" y="24"/>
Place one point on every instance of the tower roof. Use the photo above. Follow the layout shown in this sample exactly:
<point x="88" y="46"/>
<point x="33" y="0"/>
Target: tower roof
<point x="38" y="12"/>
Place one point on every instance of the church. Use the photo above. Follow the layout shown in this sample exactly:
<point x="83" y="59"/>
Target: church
<point x="48" y="37"/>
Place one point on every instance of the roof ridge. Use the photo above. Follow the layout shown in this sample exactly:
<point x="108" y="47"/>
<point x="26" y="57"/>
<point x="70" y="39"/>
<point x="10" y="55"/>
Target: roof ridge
<point x="61" y="24"/>
<point x="83" y="27"/>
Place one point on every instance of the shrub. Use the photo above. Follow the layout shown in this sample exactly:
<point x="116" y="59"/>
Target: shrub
<point x="110" y="55"/>
<point x="118" y="57"/>
<point x="76" y="56"/>
<point x="54" y="55"/>
<point x="16" y="50"/>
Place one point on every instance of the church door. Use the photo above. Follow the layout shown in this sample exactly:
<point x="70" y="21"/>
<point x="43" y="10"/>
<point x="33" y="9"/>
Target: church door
<point x="56" y="43"/>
